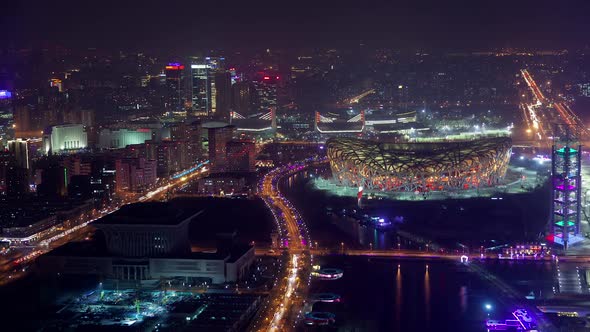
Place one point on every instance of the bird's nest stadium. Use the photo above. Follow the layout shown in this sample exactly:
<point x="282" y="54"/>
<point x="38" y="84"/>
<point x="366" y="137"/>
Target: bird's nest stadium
<point x="419" y="167"/>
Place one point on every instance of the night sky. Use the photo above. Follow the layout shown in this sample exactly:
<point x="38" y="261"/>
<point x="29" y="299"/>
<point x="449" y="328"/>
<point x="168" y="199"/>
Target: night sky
<point x="188" y="25"/>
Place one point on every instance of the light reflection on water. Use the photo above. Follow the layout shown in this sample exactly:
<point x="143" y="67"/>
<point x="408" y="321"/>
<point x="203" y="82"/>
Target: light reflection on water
<point x="398" y="296"/>
<point x="427" y="295"/>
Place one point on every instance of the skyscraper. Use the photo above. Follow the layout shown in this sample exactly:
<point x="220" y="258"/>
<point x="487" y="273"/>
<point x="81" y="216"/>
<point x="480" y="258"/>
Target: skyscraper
<point x="241" y="156"/>
<point x="174" y="86"/>
<point x="244" y="99"/>
<point x="17" y="184"/>
<point x="22" y="120"/>
<point x="19" y="148"/>
<point x="200" y="89"/>
<point x="203" y="84"/>
<point x="219" y="135"/>
<point x="223" y="94"/>
<point x="266" y="89"/>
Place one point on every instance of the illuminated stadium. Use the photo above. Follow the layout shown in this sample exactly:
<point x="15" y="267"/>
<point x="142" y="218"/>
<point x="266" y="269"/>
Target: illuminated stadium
<point x="421" y="167"/>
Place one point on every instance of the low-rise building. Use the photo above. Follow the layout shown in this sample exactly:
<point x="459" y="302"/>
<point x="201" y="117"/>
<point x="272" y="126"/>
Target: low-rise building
<point x="147" y="242"/>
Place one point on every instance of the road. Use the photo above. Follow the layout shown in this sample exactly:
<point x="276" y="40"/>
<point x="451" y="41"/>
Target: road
<point x="14" y="264"/>
<point x="544" y="113"/>
<point x="283" y="306"/>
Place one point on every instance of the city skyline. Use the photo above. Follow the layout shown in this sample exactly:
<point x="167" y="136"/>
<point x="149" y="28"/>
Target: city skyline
<point x="268" y="167"/>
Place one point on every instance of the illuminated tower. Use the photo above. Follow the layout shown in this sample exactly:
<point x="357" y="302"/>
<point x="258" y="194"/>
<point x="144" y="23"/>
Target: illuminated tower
<point x="566" y="189"/>
<point x="203" y="85"/>
<point x="174" y="79"/>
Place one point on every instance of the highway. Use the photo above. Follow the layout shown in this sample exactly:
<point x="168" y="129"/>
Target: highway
<point x="544" y="113"/>
<point x="283" y="306"/>
<point x="14" y="264"/>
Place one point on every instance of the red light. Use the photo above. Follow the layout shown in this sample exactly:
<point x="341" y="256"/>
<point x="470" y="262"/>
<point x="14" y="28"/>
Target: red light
<point x="266" y="77"/>
<point x="174" y="67"/>
<point x="277" y="77"/>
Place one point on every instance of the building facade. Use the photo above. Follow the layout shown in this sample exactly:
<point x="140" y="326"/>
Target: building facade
<point x="65" y="138"/>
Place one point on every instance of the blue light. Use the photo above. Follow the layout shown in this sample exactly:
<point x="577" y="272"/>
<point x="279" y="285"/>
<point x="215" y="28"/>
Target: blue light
<point x="5" y="94"/>
<point x="190" y="170"/>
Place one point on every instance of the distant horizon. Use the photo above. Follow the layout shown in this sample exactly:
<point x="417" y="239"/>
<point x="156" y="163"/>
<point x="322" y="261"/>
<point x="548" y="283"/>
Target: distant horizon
<point x="183" y="26"/>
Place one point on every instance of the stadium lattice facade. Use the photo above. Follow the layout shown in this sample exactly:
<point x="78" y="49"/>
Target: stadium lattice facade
<point x="419" y="166"/>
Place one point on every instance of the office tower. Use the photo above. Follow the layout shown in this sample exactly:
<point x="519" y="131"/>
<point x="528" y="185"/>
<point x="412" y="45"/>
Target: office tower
<point x="179" y="131"/>
<point x="6" y="159"/>
<point x="75" y="166"/>
<point x="87" y="117"/>
<point x="134" y="174"/>
<point x="19" y="148"/>
<point x="53" y="180"/>
<point x="219" y="135"/>
<point x="174" y="78"/>
<point x="171" y="156"/>
<point x="203" y="85"/>
<point x="244" y="99"/>
<point x="22" y="120"/>
<point x="266" y="89"/>
<point x="17" y="181"/>
<point x="241" y="156"/>
<point x="200" y="89"/>
<point x="223" y="95"/>
<point x="195" y="142"/>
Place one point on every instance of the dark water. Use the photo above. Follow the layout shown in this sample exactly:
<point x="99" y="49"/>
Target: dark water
<point x="404" y="295"/>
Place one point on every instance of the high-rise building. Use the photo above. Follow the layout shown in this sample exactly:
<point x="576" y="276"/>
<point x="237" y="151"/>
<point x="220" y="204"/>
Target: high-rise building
<point x="266" y="89"/>
<point x="203" y="84"/>
<point x="171" y="156"/>
<point x="75" y="166"/>
<point x="52" y="180"/>
<point x="19" y="148"/>
<point x="22" y="120"/>
<point x="241" y="156"/>
<point x="244" y="99"/>
<point x="200" y="89"/>
<point x="223" y="90"/>
<point x="195" y="142"/>
<point x="219" y="134"/>
<point x="17" y="181"/>
<point x="134" y="174"/>
<point x="87" y="117"/>
<point x="174" y="80"/>
<point x="6" y="159"/>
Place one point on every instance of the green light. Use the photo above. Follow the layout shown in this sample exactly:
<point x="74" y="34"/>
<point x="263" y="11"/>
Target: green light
<point x="561" y="223"/>
<point x="562" y="151"/>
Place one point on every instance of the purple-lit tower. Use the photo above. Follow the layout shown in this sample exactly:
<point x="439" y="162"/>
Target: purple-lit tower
<point x="566" y="209"/>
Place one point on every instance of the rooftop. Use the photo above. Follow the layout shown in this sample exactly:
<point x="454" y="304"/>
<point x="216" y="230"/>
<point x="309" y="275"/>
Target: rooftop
<point x="151" y="213"/>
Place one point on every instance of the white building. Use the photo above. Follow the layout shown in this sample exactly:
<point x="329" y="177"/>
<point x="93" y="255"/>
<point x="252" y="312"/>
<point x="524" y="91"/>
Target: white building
<point x="64" y="138"/>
